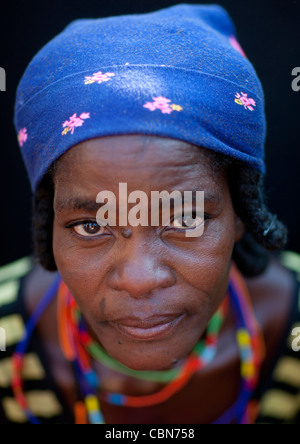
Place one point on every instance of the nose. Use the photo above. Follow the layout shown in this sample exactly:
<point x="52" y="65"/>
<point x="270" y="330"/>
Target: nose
<point x="140" y="273"/>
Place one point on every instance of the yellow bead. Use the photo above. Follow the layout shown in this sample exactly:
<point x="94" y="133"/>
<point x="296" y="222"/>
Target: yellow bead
<point x="92" y="403"/>
<point x="248" y="370"/>
<point x="243" y="338"/>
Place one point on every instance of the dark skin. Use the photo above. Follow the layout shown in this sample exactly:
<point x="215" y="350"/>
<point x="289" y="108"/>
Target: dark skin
<point x="153" y="270"/>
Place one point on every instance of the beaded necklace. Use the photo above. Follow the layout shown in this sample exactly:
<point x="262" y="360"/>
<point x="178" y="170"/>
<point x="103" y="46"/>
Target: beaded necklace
<point x="79" y="349"/>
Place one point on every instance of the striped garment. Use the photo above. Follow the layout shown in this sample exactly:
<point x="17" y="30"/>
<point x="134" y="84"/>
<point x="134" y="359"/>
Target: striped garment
<point x="279" y="398"/>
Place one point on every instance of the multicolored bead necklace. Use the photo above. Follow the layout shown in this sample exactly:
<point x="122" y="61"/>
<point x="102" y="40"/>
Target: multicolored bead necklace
<point x="79" y="349"/>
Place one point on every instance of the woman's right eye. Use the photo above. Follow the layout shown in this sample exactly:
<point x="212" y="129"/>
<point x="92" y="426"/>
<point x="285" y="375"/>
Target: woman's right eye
<point x="87" y="229"/>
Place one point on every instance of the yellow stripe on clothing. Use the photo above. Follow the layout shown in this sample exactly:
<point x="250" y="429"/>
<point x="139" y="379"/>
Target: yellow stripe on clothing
<point x="288" y="372"/>
<point x="33" y="370"/>
<point x="14" y="327"/>
<point x="9" y="292"/>
<point x="290" y="260"/>
<point x="280" y="405"/>
<point x="43" y="404"/>
<point x="16" y="269"/>
<point x="13" y="411"/>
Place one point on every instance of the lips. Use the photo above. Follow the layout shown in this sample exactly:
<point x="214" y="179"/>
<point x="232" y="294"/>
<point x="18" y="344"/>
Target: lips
<point x="141" y="329"/>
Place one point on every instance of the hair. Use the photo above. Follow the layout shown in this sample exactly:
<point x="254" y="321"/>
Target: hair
<point x="264" y="232"/>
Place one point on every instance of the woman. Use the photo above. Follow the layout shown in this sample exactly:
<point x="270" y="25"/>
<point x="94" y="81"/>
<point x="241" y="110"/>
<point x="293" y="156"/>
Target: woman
<point x="144" y="323"/>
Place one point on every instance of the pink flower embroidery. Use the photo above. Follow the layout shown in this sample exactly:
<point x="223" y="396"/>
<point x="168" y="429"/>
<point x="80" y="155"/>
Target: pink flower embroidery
<point x="98" y="77"/>
<point x="74" y="122"/>
<point x="243" y="99"/>
<point x="163" y="104"/>
<point x="22" y="136"/>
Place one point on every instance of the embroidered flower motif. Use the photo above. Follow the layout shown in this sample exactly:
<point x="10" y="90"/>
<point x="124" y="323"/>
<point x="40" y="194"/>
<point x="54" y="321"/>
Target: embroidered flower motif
<point x="74" y="122"/>
<point x="176" y="107"/>
<point x="163" y="104"/>
<point x="243" y="99"/>
<point x="22" y="136"/>
<point x="98" y="77"/>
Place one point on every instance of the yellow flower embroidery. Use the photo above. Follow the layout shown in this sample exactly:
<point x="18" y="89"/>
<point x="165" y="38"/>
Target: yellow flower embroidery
<point x="65" y="131"/>
<point x="176" y="107"/>
<point x="238" y="101"/>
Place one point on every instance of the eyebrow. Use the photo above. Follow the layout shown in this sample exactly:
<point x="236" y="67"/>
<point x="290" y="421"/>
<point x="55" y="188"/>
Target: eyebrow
<point x="76" y="203"/>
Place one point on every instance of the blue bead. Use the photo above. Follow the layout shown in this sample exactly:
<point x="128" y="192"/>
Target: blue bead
<point x="246" y="354"/>
<point x="96" y="418"/>
<point x="208" y="355"/>
<point x="92" y="379"/>
<point x="117" y="399"/>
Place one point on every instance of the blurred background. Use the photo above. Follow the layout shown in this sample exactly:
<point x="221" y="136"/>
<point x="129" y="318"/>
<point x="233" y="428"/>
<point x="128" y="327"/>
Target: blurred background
<point x="269" y="32"/>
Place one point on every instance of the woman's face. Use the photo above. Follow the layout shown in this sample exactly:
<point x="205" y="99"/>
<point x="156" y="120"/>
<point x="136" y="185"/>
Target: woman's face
<point x="148" y="297"/>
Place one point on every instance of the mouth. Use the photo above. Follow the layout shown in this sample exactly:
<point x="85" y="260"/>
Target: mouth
<point x="149" y="329"/>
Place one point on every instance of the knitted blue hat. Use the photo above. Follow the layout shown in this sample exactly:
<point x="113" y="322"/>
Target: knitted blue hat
<point x="178" y="73"/>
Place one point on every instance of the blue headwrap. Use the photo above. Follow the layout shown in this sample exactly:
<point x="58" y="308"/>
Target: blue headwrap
<point x="177" y="73"/>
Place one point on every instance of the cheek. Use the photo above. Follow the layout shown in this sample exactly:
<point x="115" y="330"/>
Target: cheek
<point x="215" y="248"/>
<point x="206" y="264"/>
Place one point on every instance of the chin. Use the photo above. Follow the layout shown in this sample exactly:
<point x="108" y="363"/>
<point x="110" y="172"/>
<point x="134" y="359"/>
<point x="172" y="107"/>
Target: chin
<point x="145" y="358"/>
<point x="149" y="366"/>
<point x="157" y="349"/>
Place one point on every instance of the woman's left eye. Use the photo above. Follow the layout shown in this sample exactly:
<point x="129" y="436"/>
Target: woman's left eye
<point x="185" y="222"/>
<point x="88" y="229"/>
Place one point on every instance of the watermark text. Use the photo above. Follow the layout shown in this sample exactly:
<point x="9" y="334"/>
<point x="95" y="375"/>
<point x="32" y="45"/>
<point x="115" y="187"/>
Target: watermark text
<point x="2" y="79"/>
<point x="188" y="209"/>
<point x="296" y="341"/>
<point x="296" y="81"/>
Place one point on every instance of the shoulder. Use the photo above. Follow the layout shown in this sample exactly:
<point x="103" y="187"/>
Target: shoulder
<point x="45" y="401"/>
<point x="36" y="284"/>
<point x="276" y="296"/>
<point x="273" y="294"/>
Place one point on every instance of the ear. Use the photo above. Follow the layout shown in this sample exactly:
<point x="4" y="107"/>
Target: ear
<point x="240" y="229"/>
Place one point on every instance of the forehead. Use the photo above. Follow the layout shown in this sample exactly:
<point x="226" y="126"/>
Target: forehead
<point x="144" y="163"/>
<point x="138" y="153"/>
